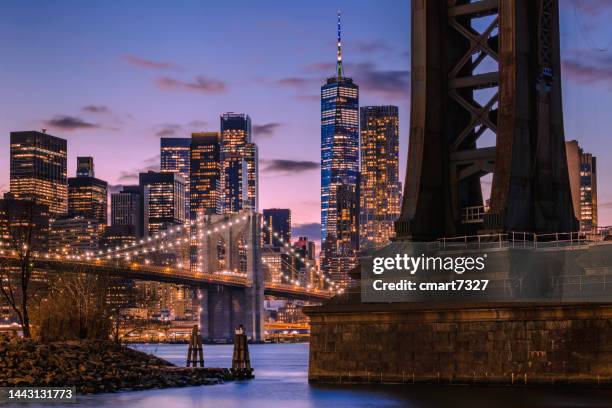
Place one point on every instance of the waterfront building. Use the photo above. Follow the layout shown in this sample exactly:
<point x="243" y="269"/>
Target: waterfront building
<point x="88" y="195"/>
<point x="279" y="222"/>
<point x="205" y="174"/>
<point x="39" y="169"/>
<point x="70" y="234"/>
<point x="175" y="157"/>
<point x="339" y="164"/>
<point x="239" y="164"/>
<point x="380" y="188"/>
<point x="582" y="169"/>
<point x="163" y="196"/>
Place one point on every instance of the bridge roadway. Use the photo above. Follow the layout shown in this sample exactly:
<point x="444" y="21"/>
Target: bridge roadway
<point x="175" y="276"/>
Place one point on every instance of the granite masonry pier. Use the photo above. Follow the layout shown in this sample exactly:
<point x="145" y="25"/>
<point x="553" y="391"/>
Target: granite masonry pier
<point x="502" y="343"/>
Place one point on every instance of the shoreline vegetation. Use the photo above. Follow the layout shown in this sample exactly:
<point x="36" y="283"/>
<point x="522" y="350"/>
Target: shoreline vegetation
<point x="94" y="366"/>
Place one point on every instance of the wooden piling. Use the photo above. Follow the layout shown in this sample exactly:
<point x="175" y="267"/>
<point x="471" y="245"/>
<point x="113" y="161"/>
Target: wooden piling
<point x="195" y="349"/>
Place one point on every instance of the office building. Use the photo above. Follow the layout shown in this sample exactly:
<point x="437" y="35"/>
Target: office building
<point x="380" y="188"/>
<point x="239" y="164"/>
<point x="205" y="174"/>
<point x="38" y="169"/>
<point x="163" y="196"/>
<point x="339" y="167"/>
<point x="279" y="222"/>
<point x="582" y="170"/>
<point x="88" y="195"/>
<point x="23" y="222"/>
<point x="175" y="157"/>
<point x="73" y="235"/>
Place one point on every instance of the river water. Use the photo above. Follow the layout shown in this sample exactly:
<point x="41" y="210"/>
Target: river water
<point x="282" y="382"/>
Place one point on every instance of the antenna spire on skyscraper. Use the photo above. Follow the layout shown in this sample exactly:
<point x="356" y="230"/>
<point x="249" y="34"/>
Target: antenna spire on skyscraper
<point x="339" y="55"/>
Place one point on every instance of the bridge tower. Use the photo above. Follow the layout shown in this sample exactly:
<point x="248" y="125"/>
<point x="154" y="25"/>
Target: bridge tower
<point x="485" y="67"/>
<point x="232" y="249"/>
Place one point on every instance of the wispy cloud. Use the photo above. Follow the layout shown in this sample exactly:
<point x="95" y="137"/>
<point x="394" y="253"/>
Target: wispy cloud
<point x="377" y="45"/>
<point x="149" y="64"/>
<point x="131" y="176"/>
<point x="588" y="67"/>
<point x="265" y="129"/>
<point x="96" y="109"/>
<point x="312" y="230"/>
<point x="179" y="130"/>
<point x="199" y="84"/>
<point x="284" y="166"/>
<point x="66" y="122"/>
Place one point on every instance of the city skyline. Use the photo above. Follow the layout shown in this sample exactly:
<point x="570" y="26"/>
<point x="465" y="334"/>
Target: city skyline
<point x="184" y="93"/>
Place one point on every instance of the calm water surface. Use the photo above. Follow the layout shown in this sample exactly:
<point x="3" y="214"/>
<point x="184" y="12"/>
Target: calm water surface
<point x="281" y="381"/>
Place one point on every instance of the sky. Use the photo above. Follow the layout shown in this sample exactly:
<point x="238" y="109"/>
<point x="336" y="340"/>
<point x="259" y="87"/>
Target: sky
<point x="114" y="77"/>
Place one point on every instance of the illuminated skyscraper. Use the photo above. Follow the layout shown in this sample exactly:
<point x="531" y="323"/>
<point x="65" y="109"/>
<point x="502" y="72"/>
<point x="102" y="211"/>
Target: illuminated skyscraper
<point x="239" y="169"/>
<point x="582" y="169"/>
<point x="87" y="195"/>
<point x="38" y="169"/>
<point x="380" y="186"/>
<point x="175" y="156"/>
<point x="339" y="166"/>
<point x="163" y="196"/>
<point x="205" y="174"/>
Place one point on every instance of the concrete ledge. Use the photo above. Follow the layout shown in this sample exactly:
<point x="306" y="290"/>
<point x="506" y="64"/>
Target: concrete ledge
<point x="505" y="343"/>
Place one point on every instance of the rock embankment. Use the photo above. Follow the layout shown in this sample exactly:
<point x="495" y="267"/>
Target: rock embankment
<point x="93" y="367"/>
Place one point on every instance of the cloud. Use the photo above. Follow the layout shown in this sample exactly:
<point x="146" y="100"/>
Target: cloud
<point x="66" y="122"/>
<point x="297" y="83"/>
<point x="588" y="67"/>
<point x="288" y="166"/>
<point x="131" y="176"/>
<point x="372" y="46"/>
<point x="199" y="84"/>
<point x="179" y="130"/>
<point x="95" y="109"/>
<point x="592" y="8"/>
<point x="149" y="64"/>
<point x="392" y="84"/>
<point x="266" y="129"/>
<point x="312" y="230"/>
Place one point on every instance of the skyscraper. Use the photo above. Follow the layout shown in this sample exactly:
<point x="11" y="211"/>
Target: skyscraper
<point x="175" y="156"/>
<point x="205" y="174"/>
<point x="279" y="220"/>
<point x="163" y="196"/>
<point x="87" y="195"/>
<point x="239" y="163"/>
<point x="380" y="186"/>
<point x="339" y="164"/>
<point x="582" y="169"/>
<point x="38" y="169"/>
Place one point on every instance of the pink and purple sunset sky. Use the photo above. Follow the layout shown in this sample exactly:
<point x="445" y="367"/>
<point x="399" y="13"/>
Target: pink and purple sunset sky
<point x="113" y="77"/>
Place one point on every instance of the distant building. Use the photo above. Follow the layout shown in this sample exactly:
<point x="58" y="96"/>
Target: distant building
<point x="163" y="195"/>
<point x="117" y="236"/>
<point x="582" y="169"/>
<point x="39" y="169"/>
<point x="205" y="174"/>
<point x="85" y="167"/>
<point x="339" y="167"/>
<point x="23" y="222"/>
<point x="279" y="221"/>
<point x="306" y="249"/>
<point x="175" y="157"/>
<point x="239" y="163"/>
<point x="380" y="187"/>
<point x="126" y="208"/>
<point x="87" y="195"/>
<point x="73" y="235"/>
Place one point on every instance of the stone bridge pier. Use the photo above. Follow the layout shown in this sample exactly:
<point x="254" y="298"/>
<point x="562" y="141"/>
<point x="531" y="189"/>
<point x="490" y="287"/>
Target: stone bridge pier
<point x="232" y="249"/>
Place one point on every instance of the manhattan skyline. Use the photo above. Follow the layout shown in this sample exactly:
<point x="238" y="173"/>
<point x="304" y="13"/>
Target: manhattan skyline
<point x="113" y="83"/>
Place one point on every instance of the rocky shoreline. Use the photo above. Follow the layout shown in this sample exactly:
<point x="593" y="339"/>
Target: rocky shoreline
<point x="94" y="367"/>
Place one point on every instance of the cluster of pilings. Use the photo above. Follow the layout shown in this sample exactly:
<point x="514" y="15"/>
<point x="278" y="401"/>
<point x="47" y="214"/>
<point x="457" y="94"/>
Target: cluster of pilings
<point x="241" y="360"/>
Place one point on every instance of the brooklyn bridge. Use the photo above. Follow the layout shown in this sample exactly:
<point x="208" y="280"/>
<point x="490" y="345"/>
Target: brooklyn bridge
<point x="220" y="257"/>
